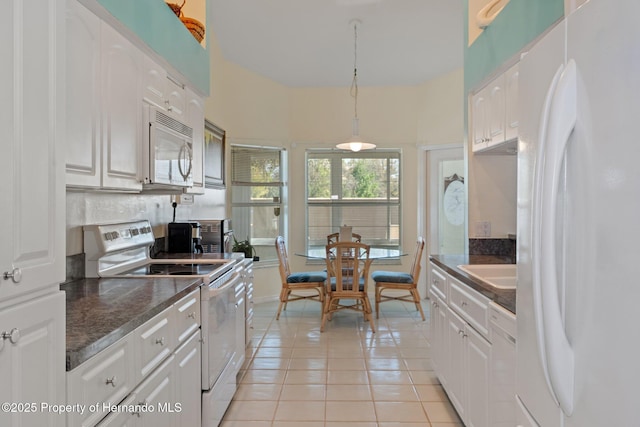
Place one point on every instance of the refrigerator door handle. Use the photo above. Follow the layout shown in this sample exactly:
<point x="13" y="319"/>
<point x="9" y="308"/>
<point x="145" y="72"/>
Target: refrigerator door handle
<point x="560" y="122"/>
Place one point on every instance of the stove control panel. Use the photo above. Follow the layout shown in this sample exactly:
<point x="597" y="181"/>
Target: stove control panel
<point x="101" y="239"/>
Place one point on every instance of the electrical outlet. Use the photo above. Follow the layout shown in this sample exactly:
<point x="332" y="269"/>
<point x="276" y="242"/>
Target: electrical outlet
<point x="186" y="199"/>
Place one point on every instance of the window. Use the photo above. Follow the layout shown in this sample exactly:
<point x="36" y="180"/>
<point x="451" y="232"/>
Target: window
<point x="361" y="190"/>
<point x="257" y="193"/>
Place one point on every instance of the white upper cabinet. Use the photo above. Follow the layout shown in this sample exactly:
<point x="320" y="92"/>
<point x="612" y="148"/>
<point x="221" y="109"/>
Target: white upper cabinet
<point x="122" y="111"/>
<point x="194" y="116"/>
<point x="83" y="155"/>
<point x="511" y="103"/>
<point x="493" y="115"/>
<point x="32" y="128"/>
<point x="496" y="111"/>
<point x="163" y="90"/>
<point x="479" y="120"/>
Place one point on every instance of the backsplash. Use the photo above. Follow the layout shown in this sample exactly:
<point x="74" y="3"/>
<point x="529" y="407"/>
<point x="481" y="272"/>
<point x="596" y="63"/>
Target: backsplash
<point x="498" y="247"/>
<point x="75" y="267"/>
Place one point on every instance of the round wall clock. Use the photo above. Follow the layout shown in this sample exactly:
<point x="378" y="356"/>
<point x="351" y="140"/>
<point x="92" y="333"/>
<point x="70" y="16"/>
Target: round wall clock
<point x="453" y="202"/>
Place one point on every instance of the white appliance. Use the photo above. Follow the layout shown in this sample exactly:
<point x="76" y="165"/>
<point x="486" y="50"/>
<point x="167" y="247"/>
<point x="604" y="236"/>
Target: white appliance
<point x="122" y="250"/>
<point x="578" y="221"/>
<point x="167" y="150"/>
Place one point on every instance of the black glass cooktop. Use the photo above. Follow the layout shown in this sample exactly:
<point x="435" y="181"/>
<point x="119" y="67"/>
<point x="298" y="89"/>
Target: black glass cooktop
<point x="186" y="269"/>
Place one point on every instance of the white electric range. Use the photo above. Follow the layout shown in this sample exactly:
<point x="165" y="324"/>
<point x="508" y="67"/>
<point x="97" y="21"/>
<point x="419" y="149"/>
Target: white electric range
<point x="122" y="250"/>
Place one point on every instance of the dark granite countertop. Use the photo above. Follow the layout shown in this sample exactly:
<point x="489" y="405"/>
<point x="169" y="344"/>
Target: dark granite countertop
<point x="101" y="311"/>
<point x="504" y="297"/>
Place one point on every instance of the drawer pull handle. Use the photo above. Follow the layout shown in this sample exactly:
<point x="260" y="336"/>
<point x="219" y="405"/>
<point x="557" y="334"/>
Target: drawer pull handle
<point x="13" y="336"/>
<point x="192" y="315"/>
<point x="160" y="341"/>
<point x="111" y="381"/>
<point x="463" y="303"/>
<point x="140" y="404"/>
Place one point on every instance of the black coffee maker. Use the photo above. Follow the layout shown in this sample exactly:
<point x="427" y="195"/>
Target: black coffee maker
<point x="184" y="237"/>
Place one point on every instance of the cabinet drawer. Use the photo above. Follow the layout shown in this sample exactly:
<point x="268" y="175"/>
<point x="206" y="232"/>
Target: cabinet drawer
<point x="439" y="283"/>
<point x="107" y="377"/>
<point x="469" y="304"/>
<point x="187" y="312"/>
<point x="154" y="341"/>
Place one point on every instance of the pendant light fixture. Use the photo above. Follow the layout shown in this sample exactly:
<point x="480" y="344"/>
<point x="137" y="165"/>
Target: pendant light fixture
<point x="355" y="143"/>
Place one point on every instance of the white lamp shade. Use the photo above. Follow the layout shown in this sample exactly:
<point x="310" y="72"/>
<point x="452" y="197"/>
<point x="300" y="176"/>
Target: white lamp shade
<point x="355" y="143"/>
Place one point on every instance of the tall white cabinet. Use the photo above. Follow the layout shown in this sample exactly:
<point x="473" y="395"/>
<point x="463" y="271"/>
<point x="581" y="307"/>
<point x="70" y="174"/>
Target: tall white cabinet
<point x="32" y="264"/>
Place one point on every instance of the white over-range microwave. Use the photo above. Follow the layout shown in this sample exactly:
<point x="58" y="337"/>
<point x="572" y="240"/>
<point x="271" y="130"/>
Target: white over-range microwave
<point x="168" y="150"/>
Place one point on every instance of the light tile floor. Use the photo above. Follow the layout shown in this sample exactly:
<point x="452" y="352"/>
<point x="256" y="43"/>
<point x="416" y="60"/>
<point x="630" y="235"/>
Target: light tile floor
<point x="346" y="376"/>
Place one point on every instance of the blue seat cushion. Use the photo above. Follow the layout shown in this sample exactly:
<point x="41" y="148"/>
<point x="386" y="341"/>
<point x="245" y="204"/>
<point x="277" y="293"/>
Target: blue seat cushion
<point x="333" y="284"/>
<point x="391" y="276"/>
<point x="307" y="276"/>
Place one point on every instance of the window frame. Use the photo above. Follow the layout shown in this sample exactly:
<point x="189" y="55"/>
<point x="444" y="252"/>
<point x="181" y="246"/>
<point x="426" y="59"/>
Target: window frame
<point x="336" y="157"/>
<point x="264" y="246"/>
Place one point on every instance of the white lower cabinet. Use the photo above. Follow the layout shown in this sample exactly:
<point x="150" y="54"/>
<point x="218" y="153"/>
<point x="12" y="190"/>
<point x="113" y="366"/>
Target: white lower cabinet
<point x="32" y="361"/>
<point x="248" y="289"/>
<point x="477" y="370"/>
<point x="146" y="378"/>
<point x="188" y="388"/>
<point x="460" y="346"/>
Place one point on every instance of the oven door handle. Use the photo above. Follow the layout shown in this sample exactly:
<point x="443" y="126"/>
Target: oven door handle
<point x="235" y="278"/>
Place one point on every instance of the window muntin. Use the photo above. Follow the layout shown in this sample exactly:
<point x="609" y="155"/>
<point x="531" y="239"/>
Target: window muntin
<point x="357" y="189"/>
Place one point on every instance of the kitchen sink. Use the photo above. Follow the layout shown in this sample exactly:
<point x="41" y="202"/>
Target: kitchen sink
<point x="501" y="276"/>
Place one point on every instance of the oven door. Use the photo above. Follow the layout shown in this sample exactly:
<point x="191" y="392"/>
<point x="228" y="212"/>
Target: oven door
<point x="218" y="306"/>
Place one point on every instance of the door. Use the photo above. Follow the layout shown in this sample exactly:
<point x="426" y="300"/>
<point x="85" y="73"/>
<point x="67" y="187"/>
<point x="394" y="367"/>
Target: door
<point x="447" y="203"/>
<point x="32" y="123"/>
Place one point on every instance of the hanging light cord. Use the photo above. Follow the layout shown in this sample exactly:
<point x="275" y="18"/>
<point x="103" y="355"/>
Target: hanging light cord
<point x="354" y="83"/>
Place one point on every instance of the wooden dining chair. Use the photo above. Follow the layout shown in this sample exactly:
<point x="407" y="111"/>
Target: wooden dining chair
<point x="293" y="282"/>
<point x="398" y="281"/>
<point x="348" y="269"/>
<point x="334" y="237"/>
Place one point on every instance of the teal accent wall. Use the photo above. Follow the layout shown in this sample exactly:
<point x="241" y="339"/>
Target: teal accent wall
<point x="157" y="26"/>
<point x="520" y="22"/>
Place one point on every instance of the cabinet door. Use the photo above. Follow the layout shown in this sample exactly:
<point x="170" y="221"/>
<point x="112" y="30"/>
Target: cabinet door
<point x="455" y="356"/>
<point x="83" y="97"/>
<point x="248" y="288"/>
<point x="154" y="82"/>
<point x="32" y="122"/>
<point x="122" y="111"/>
<point x="32" y="360"/>
<point x="438" y="338"/>
<point x="188" y="384"/>
<point x="158" y="394"/>
<point x="479" y="120"/>
<point x="477" y="374"/>
<point x="194" y="116"/>
<point x="241" y="303"/>
<point x="511" y="103"/>
<point x="496" y="111"/>
<point x="176" y="97"/>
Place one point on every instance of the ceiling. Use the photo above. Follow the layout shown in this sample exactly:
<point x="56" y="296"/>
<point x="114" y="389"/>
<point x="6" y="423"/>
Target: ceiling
<point x="310" y="43"/>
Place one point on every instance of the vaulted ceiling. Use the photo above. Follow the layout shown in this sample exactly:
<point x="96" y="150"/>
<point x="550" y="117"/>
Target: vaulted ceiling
<point x="310" y="43"/>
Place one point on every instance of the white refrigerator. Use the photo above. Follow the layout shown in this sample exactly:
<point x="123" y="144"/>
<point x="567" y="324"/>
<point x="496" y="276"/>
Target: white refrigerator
<point x="578" y="295"/>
